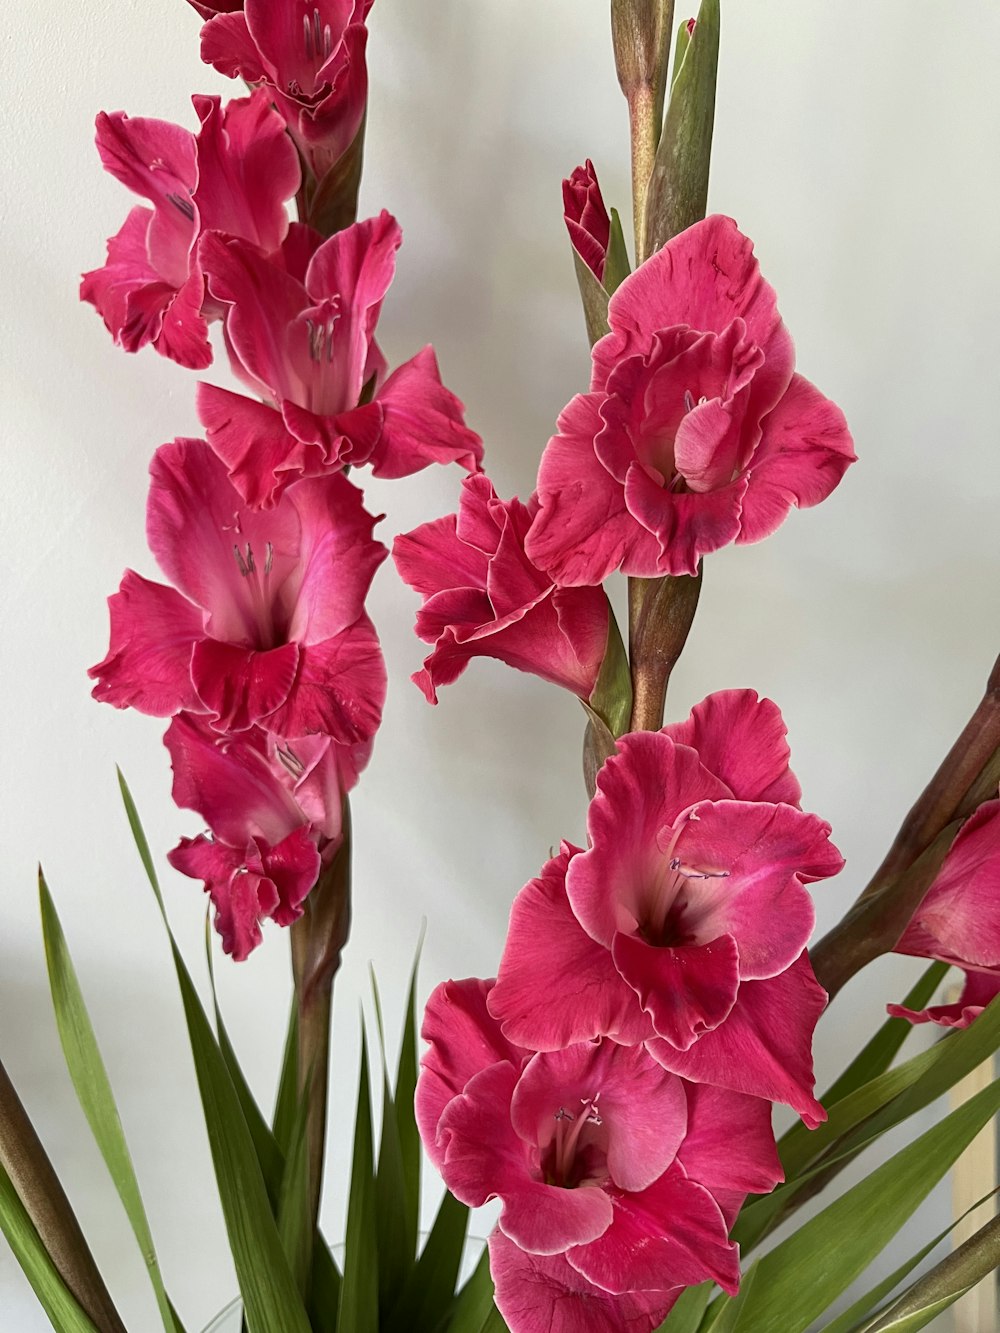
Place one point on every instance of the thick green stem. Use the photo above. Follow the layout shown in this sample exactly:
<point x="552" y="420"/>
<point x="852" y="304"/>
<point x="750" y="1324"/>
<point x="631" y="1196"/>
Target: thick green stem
<point x="318" y="940"/>
<point x="38" y="1187"/>
<point x="878" y="918"/>
<point x="660" y="616"/>
<point x="959" y="1272"/>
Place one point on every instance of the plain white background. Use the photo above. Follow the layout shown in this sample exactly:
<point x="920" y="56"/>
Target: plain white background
<point x="857" y="144"/>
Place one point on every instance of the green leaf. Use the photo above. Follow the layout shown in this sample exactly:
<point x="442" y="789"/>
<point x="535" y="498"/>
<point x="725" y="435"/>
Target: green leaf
<point x="396" y="1244"/>
<point x="611" y="699"/>
<point x="93" y="1089"/>
<point x="359" y="1287"/>
<point x="800" y="1278"/>
<point x="270" y="1296"/>
<point x="287" y="1100"/>
<point x="848" y="1321"/>
<point x="865" y="1114"/>
<point x="294" y="1221"/>
<point x="594" y="298"/>
<point x="919" y="1318"/>
<point x="429" y="1291"/>
<point x="474" y="1309"/>
<point x="324" y="1288"/>
<point x="678" y="186"/>
<point x="726" y="1315"/>
<point x="616" y="265"/>
<point x="681" y="44"/>
<point x="405" y="1093"/>
<point x="62" y="1309"/>
<point x="686" y="1315"/>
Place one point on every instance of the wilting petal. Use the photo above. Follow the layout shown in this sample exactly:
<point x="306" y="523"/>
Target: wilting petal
<point x="153" y="633"/>
<point x="423" y="422"/>
<point x="462" y="1039"/>
<point x="643" y="1110"/>
<point x="671" y="1233"/>
<point x="686" y="991"/>
<point x="804" y="451"/>
<point x="764" y="1047"/>
<point x="741" y="739"/>
<point x="544" y="1294"/>
<point x="729" y="1146"/>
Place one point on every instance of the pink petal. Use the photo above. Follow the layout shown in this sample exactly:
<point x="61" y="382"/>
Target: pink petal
<point x="980" y="989"/>
<point x="804" y="451"/>
<point x="544" y="1294"/>
<point x="671" y="1233"/>
<point x="462" y="1039"/>
<point x="484" y="1159"/>
<point x="253" y="442"/>
<point x="432" y="558"/>
<point x="247" y="169"/>
<point x="587" y="218"/>
<point x="227" y="45"/>
<point x="239" y="686"/>
<point x="643" y="1109"/>
<point x="729" y="1146"/>
<point x="685" y="526"/>
<point x="127" y="268"/>
<point x="183" y="335"/>
<point x="423" y="422"/>
<point x="583" y="531"/>
<point x="555" y="985"/>
<point x="764" y="1047"/>
<point x="278" y="33"/>
<point x="340" y="688"/>
<point x="641" y="790"/>
<point x="686" y="991"/>
<point x="148" y="666"/>
<point x="705" y="278"/>
<point x="741" y="739"/>
<point x="230" y="784"/>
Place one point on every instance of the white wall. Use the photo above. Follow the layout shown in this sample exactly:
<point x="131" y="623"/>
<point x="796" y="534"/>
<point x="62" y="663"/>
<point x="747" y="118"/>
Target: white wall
<point x="857" y="144"/>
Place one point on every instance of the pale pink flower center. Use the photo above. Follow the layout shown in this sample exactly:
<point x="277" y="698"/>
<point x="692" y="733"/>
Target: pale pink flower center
<point x="258" y="607"/>
<point x="674" y="914"/>
<point x="574" y="1156"/>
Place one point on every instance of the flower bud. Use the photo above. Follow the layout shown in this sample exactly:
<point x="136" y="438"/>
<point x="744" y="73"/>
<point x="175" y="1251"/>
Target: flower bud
<point x="640" y="30"/>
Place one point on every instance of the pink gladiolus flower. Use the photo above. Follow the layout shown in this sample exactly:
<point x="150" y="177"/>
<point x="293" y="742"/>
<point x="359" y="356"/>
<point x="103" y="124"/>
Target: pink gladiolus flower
<point x="607" y="1167"/>
<point x="684" y="925"/>
<point x="587" y="219"/>
<point x="958" y="921"/>
<point x="308" y="347"/>
<point x="484" y="598"/>
<point x="268" y="626"/>
<point x="274" y="808"/>
<point x="311" y="59"/>
<point x="209" y="8"/>
<point x="696" y="431"/>
<point x="233" y="177"/>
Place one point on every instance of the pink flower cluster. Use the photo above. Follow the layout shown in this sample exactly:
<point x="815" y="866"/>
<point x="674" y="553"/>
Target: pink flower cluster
<point x="613" y="1086"/>
<point x="259" y="647"/>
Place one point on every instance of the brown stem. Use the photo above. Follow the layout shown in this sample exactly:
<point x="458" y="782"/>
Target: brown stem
<point x="318" y="940"/>
<point x="660" y="616"/>
<point x="38" y="1187"/>
<point x="960" y="1271"/>
<point x="875" y="923"/>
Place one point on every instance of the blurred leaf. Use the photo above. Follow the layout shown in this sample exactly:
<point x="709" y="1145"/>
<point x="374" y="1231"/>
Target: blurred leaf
<point x="405" y="1092"/>
<point x="294" y="1221"/>
<point x="678" y="187"/>
<point x="474" y="1310"/>
<point x="63" y="1312"/>
<point x="594" y="298"/>
<point x="324" y="1288"/>
<point x="802" y="1276"/>
<point x="680" y="49"/>
<point x="726" y="1315"/>
<point x="686" y="1315"/>
<point x="360" y="1284"/>
<point x="616" y="265"/>
<point x="920" y="1318"/>
<point x="848" y="1322"/>
<point x="270" y="1297"/>
<point x="429" y="1291"/>
<point x="93" y="1088"/>
<point x="868" y="1112"/>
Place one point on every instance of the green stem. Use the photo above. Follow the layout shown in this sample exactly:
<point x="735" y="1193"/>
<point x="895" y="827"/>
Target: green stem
<point x="39" y="1189"/>
<point x="660" y="616"/>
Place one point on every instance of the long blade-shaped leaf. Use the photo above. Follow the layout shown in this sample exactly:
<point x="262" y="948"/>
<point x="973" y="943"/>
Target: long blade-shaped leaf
<point x="359" y="1289"/>
<point x="270" y="1296"/>
<point x="686" y="1315"/>
<point x="474" y="1308"/>
<point x="429" y="1291"/>
<point x="396" y="1246"/>
<point x="93" y="1089"/>
<point x="403" y="1098"/>
<point x="63" y="1312"/>
<point x="287" y="1100"/>
<point x="800" y="1278"/>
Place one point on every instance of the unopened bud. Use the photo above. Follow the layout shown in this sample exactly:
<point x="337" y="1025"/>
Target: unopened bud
<point x="640" y="30"/>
